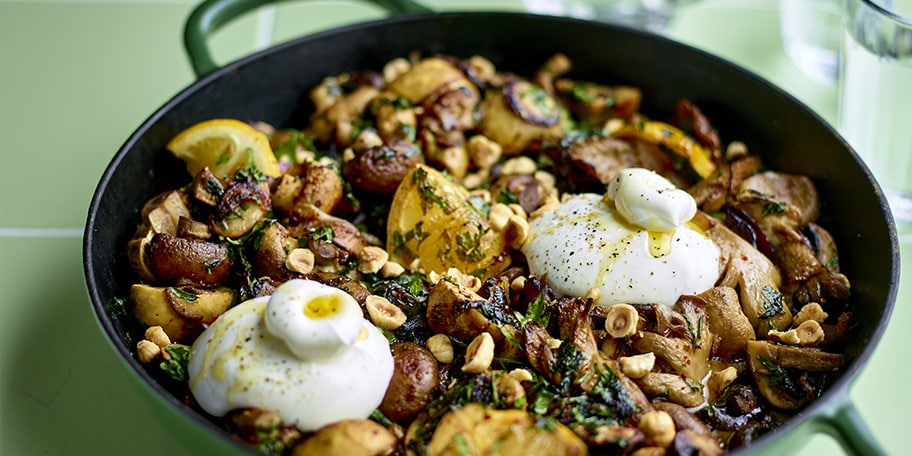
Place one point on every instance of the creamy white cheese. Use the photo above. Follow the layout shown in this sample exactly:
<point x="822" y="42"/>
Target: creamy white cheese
<point x="306" y="353"/>
<point x="641" y="249"/>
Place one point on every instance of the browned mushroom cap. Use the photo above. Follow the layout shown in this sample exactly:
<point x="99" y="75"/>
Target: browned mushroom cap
<point x="175" y="258"/>
<point x="272" y="250"/>
<point x="415" y="378"/>
<point x="381" y="168"/>
<point x="599" y="158"/>
<point x="181" y="312"/>
<point x="451" y="107"/>
<point x="788" y="377"/>
<point x="243" y="205"/>
<point x="597" y="103"/>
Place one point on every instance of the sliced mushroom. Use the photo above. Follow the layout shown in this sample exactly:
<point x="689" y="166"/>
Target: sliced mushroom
<point x="188" y="228"/>
<point x="138" y="255"/>
<point x="162" y="212"/>
<point x="174" y="258"/>
<point x="344" y="235"/>
<point x="672" y="386"/>
<point x="207" y="187"/>
<point x="181" y="312"/>
<point x="596" y="103"/>
<point x="514" y="133"/>
<point x="243" y="205"/>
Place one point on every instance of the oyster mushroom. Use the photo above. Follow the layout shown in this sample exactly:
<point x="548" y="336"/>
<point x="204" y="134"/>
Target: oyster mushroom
<point x="725" y="319"/>
<point x="790" y="377"/>
<point x="754" y="276"/>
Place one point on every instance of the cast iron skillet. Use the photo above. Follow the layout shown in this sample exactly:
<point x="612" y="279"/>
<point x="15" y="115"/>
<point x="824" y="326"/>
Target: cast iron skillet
<point x="271" y="86"/>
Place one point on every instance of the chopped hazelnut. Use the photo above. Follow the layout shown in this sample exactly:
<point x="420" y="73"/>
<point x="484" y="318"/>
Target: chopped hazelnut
<point x="479" y="354"/>
<point x="441" y="347"/>
<point x="383" y="313"/>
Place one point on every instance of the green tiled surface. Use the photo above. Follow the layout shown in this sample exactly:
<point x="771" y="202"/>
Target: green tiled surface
<point x="77" y="77"/>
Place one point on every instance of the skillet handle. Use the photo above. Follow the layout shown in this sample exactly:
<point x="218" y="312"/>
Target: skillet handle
<point x="211" y="15"/>
<point x="846" y="425"/>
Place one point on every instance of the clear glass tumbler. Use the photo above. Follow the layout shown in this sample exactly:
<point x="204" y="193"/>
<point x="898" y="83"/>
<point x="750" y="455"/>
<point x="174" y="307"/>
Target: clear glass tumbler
<point x="811" y="33"/>
<point x="651" y="15"/>
<point x="875" y="108"/>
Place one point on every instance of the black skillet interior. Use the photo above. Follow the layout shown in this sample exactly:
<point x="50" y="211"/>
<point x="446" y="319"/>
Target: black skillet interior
<point x="271" y="86"/>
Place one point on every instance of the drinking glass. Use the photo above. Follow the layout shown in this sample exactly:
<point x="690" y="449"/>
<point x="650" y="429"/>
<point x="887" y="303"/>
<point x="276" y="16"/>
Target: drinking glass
<point x="811" y="32"/>
<point x="875" y="106"/>
<point x="651" y="15"/>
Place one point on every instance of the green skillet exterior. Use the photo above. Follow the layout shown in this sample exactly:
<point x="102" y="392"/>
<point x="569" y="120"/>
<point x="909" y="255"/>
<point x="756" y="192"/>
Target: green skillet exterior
<point x="271" y="86"/>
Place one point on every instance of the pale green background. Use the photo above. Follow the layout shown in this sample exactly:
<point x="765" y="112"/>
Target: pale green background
<point x="77" y="77"/>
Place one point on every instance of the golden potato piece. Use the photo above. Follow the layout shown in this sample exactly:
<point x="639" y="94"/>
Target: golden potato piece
<point x="432" y="220"/>
<point x="473" y="429"/>
<point x="348" y="437"/>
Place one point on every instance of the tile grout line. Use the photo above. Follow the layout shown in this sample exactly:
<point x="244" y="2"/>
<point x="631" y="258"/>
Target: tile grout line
<point x="41" y="232"/>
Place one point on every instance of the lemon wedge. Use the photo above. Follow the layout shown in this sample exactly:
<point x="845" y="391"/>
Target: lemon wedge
<point x="225" y="146"/>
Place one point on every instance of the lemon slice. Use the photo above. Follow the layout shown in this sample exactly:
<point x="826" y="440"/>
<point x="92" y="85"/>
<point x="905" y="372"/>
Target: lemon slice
<point x="225" y="146"/>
